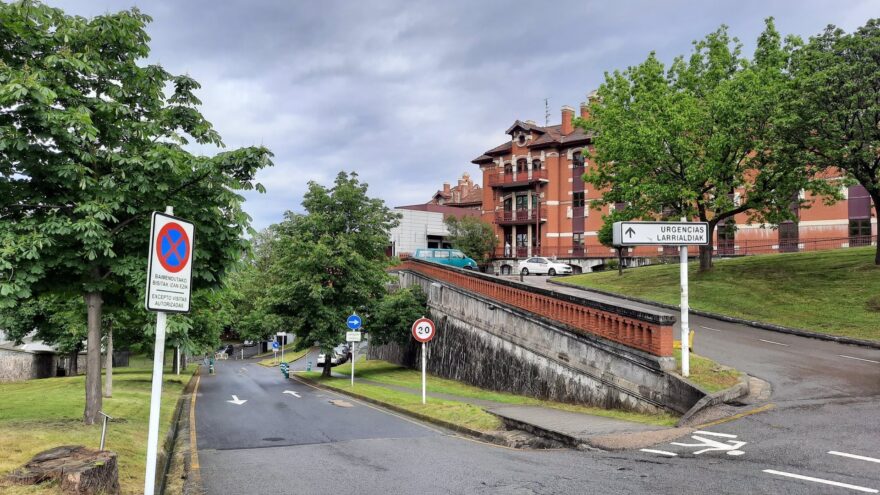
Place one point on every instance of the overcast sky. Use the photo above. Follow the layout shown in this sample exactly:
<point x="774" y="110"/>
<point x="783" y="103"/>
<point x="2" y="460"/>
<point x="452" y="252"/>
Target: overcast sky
<point x="407" y="93"/>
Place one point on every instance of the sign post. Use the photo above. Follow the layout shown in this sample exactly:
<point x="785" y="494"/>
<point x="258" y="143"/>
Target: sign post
<point x="169" y="283"/>
<point x="682" y="234"/>
<point x="354" y="322"/>
<point x="275" y="351"/>
<point x="423" y="330"/>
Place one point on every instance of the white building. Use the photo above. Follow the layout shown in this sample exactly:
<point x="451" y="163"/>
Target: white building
<point x="422" y="226"/>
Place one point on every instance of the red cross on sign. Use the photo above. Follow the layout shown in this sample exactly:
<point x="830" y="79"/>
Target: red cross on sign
<point x="169" y="265"/>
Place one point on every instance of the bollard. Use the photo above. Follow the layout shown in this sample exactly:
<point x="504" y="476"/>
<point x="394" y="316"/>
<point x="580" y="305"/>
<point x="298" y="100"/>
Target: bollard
<point x="104" y="428"/>
<point x="521" y="276"/>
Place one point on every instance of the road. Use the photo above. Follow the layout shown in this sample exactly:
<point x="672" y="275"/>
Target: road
<point x="290" y="438"/>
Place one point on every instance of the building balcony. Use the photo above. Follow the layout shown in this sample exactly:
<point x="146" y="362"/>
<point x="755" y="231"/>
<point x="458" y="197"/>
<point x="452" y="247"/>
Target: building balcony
<point x="518" y="217"/>
<point x="517" y="179"/>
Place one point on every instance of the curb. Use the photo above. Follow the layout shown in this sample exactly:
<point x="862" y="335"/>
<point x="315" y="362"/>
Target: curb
<point x="731" y="319"/>
<point x="741" y="389"/>
<point x="488" y="437"/>
<point x="177" y="446"/>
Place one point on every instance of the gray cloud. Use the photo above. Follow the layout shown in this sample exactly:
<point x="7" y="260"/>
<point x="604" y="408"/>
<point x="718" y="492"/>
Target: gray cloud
<point x="406" y="93"/>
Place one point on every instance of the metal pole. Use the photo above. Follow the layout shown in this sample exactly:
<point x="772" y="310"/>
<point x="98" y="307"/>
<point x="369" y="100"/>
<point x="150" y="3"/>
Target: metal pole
<point x="424" y="368"/>
<point x="685" y="331"/>
<point x="283" y="341"/>
<point x="103" y="432"/>
<point x="155" y="397"/>
<point x="353" y="350"/>
<point x="178" y="360"/>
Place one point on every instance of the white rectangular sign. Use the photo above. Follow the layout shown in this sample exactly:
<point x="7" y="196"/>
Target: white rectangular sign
<point x="169" y="269"/>
<point x="352" y="336"/>
<point x="661" y="233"/>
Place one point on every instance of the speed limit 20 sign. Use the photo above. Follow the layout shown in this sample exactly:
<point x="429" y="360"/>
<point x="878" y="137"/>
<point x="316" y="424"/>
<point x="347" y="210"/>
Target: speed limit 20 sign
<point x="424" y="330"/>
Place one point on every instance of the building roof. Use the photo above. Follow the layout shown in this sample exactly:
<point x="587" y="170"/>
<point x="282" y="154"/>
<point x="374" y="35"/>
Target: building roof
<point x="445" y="210"/>
<point x="550" y="136"/>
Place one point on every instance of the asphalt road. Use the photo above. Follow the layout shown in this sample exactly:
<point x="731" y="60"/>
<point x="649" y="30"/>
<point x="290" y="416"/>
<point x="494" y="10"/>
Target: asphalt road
<point x="279" y="442"/>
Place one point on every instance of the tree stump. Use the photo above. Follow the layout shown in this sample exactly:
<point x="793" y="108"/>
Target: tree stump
<point x="78" y="470"/>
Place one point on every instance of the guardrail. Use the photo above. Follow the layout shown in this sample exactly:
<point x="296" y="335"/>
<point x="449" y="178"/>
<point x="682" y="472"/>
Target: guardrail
<point x="646" y="331"/>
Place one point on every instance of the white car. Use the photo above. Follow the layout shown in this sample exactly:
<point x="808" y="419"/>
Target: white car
<point x="541" y="266"/>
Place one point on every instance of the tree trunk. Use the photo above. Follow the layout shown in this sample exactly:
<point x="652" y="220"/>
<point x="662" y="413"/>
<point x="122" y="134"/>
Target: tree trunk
<point x="175" y="363"/>
<point x="93" y="358"/>
<point x="876" y="199"/>
<point x="108" y="363"/>
<point x="328" y="366"/>
<point x="706" y="251"/>
<point x="73" y="362"/>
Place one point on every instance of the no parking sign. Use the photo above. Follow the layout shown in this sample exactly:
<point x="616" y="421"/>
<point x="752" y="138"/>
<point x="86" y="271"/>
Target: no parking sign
<point x="169" y="269"/>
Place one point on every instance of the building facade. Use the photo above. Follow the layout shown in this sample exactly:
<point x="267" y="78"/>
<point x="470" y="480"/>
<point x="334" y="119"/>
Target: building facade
<point x="535" y="197"/>
<point x="464" y="195"/>
<point x="422" y="226"/>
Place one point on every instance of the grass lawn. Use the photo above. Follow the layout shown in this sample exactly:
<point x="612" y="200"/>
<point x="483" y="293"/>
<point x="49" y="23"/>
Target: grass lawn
<point x="707" y="373"/>
<point x="392" y="374"/>
<point x="835" y="292"/>
<point x="453" y="412"/>
<point x="40" y="414"/>
<point x="272" y="362"/>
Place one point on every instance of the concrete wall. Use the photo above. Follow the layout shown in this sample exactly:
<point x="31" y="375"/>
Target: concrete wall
<point x="414" y="229"/>
<point x="503" y="348"/>
<point x="19" y="366"/>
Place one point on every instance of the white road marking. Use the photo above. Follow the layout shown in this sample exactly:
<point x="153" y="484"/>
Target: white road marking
<point x="235" y="400"/>
<point x="771" y="342"/>
<point x="859" y="359"/>
<point x="854" y="456"/>
<point x="725" y="435"/>
<point x="713" y="329"/>
<point x="820" y="480"/>
<point x="291" y="392"/>
<point x="731" y="448"/>
<point x="661" y="452"/>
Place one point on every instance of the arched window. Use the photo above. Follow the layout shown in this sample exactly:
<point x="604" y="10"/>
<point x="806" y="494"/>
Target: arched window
<point x="536" y="164"/>
<point x="521" y="165"/>
<point x="508" y="168"/>
<point x="577" y="159"/>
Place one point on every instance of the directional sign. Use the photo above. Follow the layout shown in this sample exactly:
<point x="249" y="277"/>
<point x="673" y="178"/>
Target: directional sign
<point x="661" y="233"/>
<point x="275" y="345"/>
<point x="354" y="322"/>
<point x="423" y="330"/>
<point x="352" y="336"/>
<point x="169" y="266"/>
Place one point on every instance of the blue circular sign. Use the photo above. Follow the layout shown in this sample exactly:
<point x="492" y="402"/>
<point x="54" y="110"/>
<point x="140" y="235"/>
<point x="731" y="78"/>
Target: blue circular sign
<point x="353" y="322"/>
<point x="275" y="345"/>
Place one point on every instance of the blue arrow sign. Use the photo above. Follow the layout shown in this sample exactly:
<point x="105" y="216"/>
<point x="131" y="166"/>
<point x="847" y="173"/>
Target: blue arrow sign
<point x="353" y="322"/>
<point x="275" y="345"/>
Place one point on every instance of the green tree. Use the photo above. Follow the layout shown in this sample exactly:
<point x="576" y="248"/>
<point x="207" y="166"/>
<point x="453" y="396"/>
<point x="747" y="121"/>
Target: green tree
<point x="331" y="261"/>
<point x="472" y="236"/>
<point x="392" y="317"/>
<point x="701" y="138"/>
<point x="90" y="143"/>
<point x="835" y="105"/>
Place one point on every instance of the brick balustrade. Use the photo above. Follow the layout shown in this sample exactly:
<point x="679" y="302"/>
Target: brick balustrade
<point x="645" y="331"/>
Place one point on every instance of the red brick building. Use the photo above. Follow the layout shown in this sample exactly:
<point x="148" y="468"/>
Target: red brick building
<point x="534" y="195"/>
<point x="464" y="195"/>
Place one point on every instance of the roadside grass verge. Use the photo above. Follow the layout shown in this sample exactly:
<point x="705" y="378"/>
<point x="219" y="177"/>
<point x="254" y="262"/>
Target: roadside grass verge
<point x="458" y="413"/>
<point x="392" y="374"/>
<point x="273" y="362"/>
<point x="833" y="292"/>
<point x="708" y="374"/>
<point x="40" y="414"/>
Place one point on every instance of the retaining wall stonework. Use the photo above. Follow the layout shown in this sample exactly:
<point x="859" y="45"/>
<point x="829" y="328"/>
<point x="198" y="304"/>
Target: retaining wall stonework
<point x="500" y="347"/>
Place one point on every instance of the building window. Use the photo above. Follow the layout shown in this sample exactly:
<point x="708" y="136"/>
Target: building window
<point x="577" y="159"/>
<point x="521" y="139"/>
<point x="860" y="232"/>
<point x="521" y="165"/>
<point x="789" y="237"/>
<point x="536" y="164"/>
<point x="522" y="202"/>
<point x="521" y="239"/>
<point x="726" y="237"/>
<point x="577" y="239"/>
<point x="578" y="199"/>
<point x="508" y="168"/>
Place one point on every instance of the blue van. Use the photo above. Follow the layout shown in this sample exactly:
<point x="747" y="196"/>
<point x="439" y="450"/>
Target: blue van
<point x="451" y="257"/>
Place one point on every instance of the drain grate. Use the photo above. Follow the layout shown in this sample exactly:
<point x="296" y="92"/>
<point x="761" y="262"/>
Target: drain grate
<point x="273" y="439"/>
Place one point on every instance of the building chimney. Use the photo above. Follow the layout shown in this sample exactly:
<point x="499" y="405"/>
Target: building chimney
<point x="585" y="110"/>
<point x="567" y="116"/>
<point x="445" y="188"/>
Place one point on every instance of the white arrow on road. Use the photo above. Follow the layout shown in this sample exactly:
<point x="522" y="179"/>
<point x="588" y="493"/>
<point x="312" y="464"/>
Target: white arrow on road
<point x="291" y="392"/>
<point x="235" y="400"/>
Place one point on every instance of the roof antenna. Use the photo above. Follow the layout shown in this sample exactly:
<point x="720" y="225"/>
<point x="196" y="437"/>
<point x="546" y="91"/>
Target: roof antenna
<point x="546" y="112"/>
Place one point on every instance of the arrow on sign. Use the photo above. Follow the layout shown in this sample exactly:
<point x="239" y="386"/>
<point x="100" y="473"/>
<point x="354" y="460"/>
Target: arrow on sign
<point x="235" y="400"/>
<point x="630" y="232"/>
<point x="291" y="392"/>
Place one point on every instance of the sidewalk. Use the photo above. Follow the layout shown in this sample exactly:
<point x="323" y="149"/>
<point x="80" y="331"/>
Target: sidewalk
<point x="571" y="428"/>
